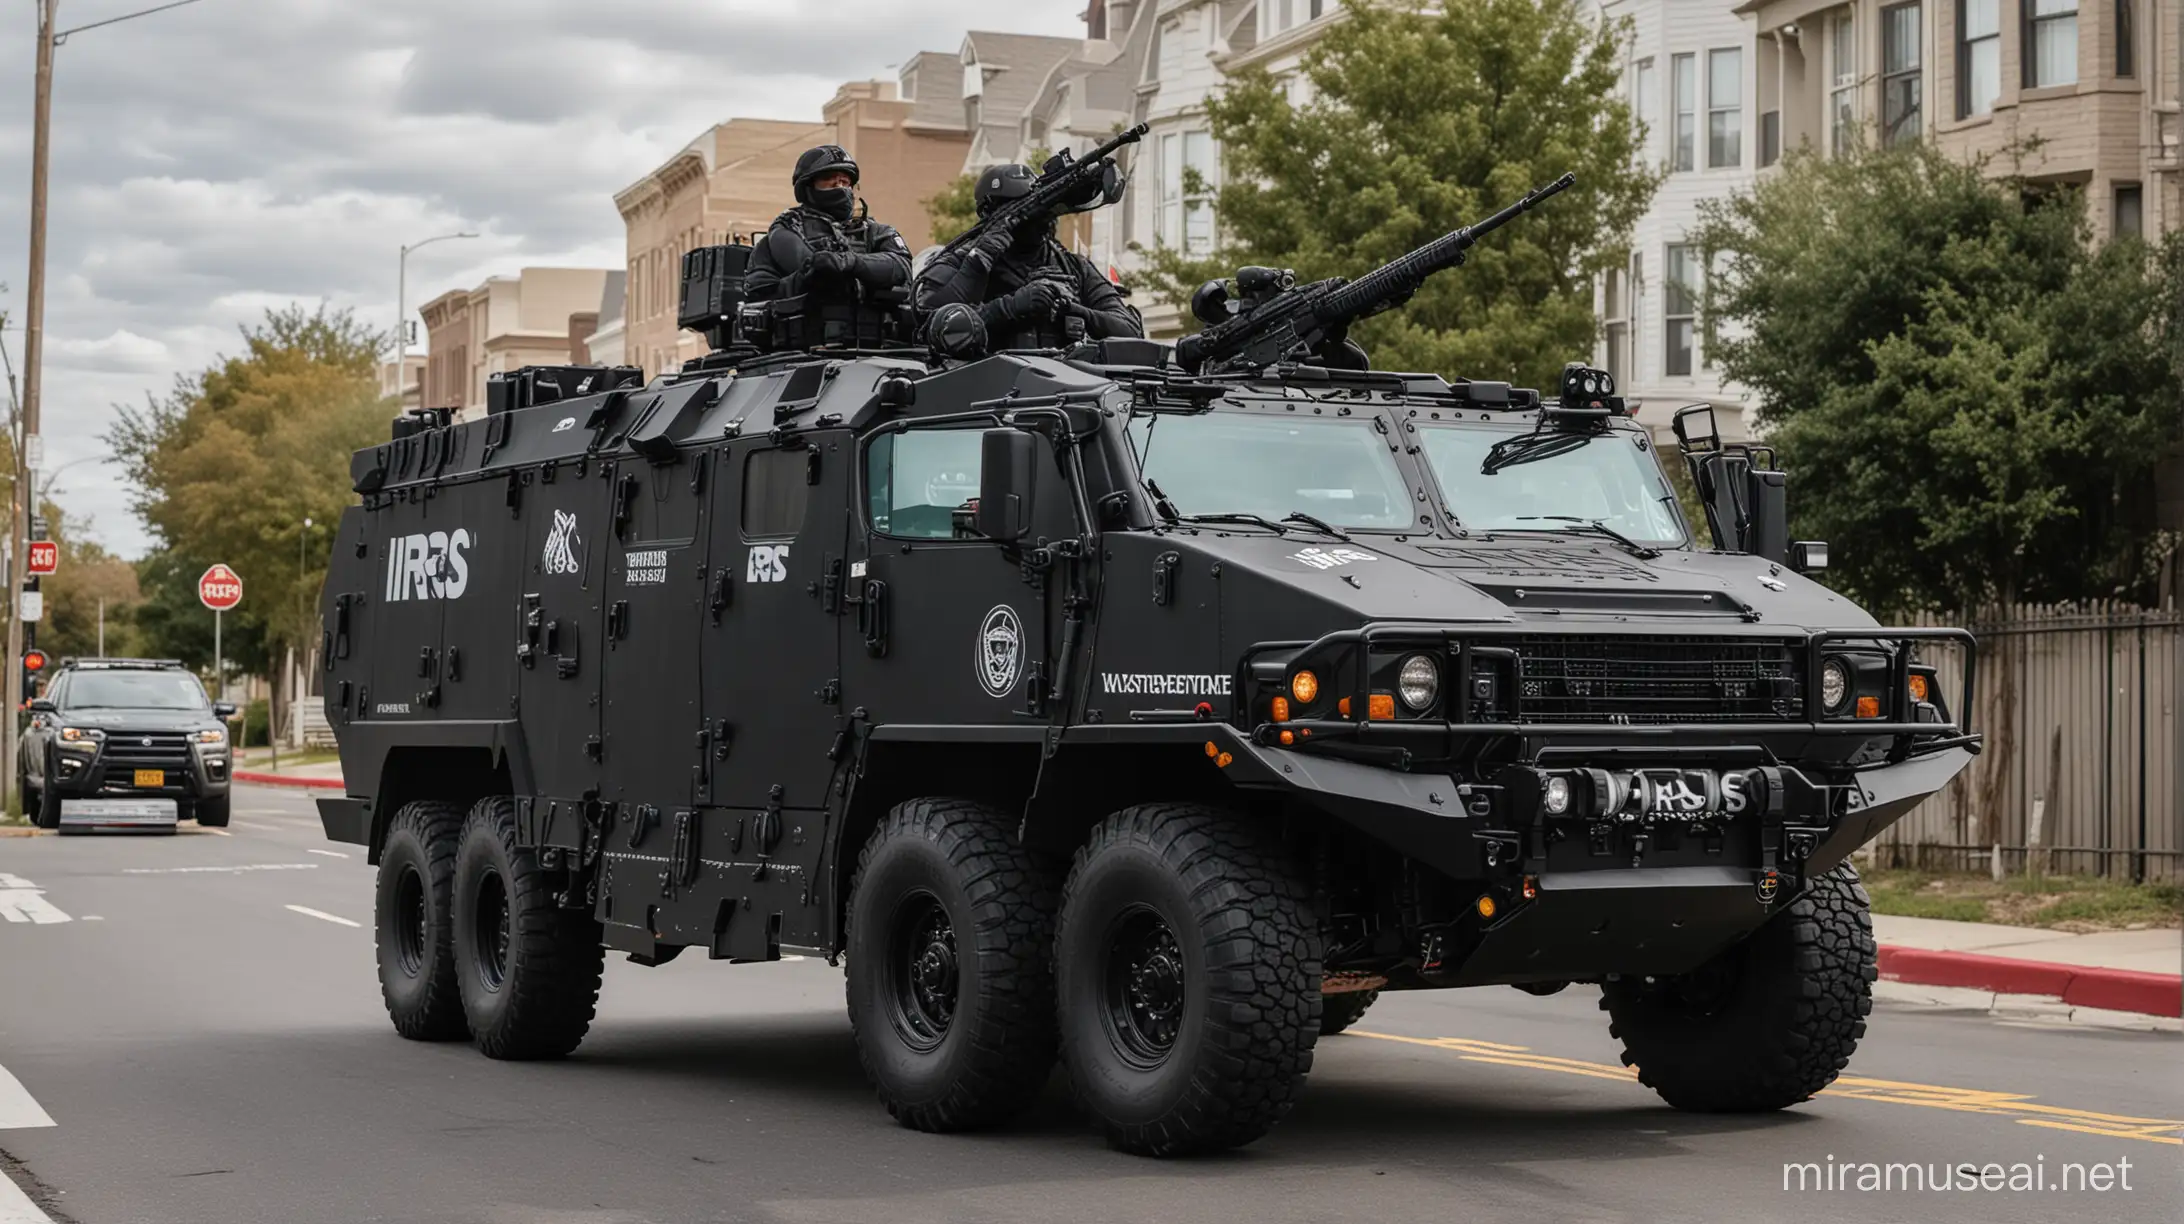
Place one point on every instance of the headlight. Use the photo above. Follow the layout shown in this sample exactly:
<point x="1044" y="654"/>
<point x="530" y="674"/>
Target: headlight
<point x="81" y="735"/>
<point x="1557" y="795"/>
<point x="1834" y="685"/>
<point x="214" y="736"/>
<point x="1419" y="682"/>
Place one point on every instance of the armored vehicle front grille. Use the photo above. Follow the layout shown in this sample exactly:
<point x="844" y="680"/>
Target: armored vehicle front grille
<point x="168" y="750"/>
<point x="1647" y="679"/>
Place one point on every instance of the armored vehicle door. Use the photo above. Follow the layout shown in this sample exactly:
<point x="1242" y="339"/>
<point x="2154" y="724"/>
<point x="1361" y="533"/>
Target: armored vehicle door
<point x="416" y="543"/>
<point x="559" y="629"/>
<point x="655" y="605"/>
<point x="474" y="674"/>
<point x="951" y="628"/>
<point x="771" y="667"/>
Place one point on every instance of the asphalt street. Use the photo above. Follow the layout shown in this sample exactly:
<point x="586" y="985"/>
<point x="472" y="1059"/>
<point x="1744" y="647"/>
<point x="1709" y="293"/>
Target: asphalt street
<point x="197" y="1016"/>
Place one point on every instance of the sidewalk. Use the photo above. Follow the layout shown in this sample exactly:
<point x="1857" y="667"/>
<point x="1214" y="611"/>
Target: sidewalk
<point x="255" y="765"/>
<point x="2129" y="979"/>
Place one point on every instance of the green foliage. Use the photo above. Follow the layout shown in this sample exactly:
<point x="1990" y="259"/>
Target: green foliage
<point x="231" y="462"/>
<point x="1971" y="396"/>
<point x="1423" y="118"/>
<point x="88" y="574"/>
<point x="257" y="723"/>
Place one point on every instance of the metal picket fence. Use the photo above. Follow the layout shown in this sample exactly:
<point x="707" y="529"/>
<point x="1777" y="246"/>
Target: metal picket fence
<point x="2079" y="707"/>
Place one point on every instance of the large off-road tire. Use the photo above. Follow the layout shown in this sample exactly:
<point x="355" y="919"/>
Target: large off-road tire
<point x="213" y="813"/>
<point x="527" y="969"/>
<point x="47" y="813"/>
<point x="951" y="980"/>
<point x="1340" y="1011"/>
<point x="413" y="921"/>
<point x="1768" y="1022"/>
<point x="1187" y="968"/>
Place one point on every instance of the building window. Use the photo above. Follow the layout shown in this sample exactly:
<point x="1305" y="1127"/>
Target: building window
<point x="2129" y="212"/>
<point x="1614" y="296"/>
<point x="1643" y="99"/>
<point x="1676" y="310"/>
<point x="1902" y="94"/>
<point x="1724" y="108"/>
<point x="2126" y="37"/>
<point x="1155" y="53"/>
<point x="1843" y="84"/>
<point x="1979" y="56"/>
<point x="1770" y="138"/>
<point x="1186" y="207"/>
<point x="2051" y="39"/>
<point x="1276" y="16"/>
<point x="1684" y="80"/>
<point x="1175" y="33"/>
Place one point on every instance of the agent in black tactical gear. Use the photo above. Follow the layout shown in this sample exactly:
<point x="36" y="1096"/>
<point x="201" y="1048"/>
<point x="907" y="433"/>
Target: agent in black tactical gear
<point x="826" y="273"/>
<point x="1031" y="292"/>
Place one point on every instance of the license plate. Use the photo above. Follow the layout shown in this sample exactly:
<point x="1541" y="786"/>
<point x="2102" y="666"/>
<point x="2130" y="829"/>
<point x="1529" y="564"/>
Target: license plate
<point x="119" y="811"/>
<point x="151" y="777"/>
<point x="1689" y="794"/>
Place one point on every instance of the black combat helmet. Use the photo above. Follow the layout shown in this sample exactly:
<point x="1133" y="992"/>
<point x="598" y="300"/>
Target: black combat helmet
<point x="818" y="160"/>
<point x="997" y="185"/>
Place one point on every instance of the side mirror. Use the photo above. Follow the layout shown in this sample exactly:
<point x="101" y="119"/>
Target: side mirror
<point x="223" y="710"/>
<point x="1809" y="556"/>
<point x="43" y="705"/>
<point x="1005" y="464"/>
<point x="1767" y="532"/>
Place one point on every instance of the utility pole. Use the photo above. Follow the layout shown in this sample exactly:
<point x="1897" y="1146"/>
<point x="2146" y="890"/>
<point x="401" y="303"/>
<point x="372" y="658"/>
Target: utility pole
<point x="33" y="371"/>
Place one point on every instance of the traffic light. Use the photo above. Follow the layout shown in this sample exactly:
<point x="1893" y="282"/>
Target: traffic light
<point x="34" y="662"/>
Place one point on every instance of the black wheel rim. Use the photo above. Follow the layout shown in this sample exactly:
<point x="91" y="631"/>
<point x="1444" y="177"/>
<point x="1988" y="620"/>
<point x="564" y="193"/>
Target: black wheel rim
<point x="409" y="920"/>
<point x="923" y="975"/>
<point x="491" y="929"/>
<point x="1143" y="987"/>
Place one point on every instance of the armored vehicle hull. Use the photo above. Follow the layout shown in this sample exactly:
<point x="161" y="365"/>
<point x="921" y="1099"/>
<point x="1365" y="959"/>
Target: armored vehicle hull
<point x="1097" y="712"/>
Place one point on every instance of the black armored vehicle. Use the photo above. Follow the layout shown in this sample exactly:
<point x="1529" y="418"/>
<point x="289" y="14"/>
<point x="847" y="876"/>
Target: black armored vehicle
<point x="1151" y="709"/>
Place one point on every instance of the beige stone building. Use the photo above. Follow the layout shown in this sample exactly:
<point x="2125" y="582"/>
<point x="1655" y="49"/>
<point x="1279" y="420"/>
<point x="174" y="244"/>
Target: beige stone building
<point x="404" y="381"/>
<point x="541" y="316"/>
<point x="2095" y="82"/>
<point x="730" y="183"/>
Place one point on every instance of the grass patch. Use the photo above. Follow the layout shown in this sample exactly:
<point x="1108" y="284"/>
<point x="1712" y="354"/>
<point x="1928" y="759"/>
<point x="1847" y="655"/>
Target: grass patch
<point x="2080" y="903"/>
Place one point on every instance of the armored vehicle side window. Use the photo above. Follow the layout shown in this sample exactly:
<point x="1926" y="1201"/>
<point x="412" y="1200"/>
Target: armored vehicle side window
<point x="915" y="481"/>
<point x="1609" y="479"/>
<point x="1274" y="466"/>
<point x="776" y="487"/>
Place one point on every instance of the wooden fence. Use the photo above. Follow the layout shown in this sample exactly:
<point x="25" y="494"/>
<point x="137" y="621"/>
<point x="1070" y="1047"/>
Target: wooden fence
<point x="2079" y="707"/>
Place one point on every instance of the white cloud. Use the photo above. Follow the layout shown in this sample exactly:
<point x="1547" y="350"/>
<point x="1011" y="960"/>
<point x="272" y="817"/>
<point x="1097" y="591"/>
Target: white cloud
<point x="232" y="155"/>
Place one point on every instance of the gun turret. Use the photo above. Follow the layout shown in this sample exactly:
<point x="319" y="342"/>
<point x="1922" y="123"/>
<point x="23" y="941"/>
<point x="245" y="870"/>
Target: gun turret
<point x="1066" y="184"/>
<point x="1261" y="318"/>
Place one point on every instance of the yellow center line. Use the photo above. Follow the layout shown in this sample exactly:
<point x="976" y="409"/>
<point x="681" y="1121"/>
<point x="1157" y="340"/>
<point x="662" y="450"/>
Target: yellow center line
<point x="2018" y="1107"/>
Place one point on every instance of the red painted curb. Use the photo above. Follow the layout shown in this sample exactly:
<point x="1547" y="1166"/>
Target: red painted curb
<point x="266" y="779"/>
<point x="2152" y="994"/>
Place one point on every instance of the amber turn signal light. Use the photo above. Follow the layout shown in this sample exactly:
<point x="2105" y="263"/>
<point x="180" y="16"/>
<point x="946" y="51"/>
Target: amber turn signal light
<point x="1281" y="709"/>
<point x="1869" y="707"/>
<point x="1918" y="688"/>
<point x="1486" y="906"/>
<point x="1304" y="686"/>
<point x="1342" y="707"/>
<point x="1212" y="749"/>
<point x="1380" y="705"/>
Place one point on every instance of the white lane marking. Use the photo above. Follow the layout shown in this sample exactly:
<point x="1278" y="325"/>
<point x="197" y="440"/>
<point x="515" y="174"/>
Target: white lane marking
<point x="18" y="1109"/>
<point x="217" y="832"/>
<point x="255" y="828"/>
<point x="16" y="1207"/>
<point x="94" y="917"/>
<point x="23" y="901"/>
<point x="327" y="853"/>
<point x="219" y="870"/>
<point x="309" y="912"/>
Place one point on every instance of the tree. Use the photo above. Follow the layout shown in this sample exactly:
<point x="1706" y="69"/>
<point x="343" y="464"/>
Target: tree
<point x="232" y="461"/>
<point x="1421" y="118"/>
<point x="1970" y="395"/>
<point x="92" y="584"/>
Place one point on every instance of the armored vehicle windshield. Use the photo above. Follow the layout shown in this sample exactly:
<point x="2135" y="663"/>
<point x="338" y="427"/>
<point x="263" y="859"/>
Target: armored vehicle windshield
<point x="1612" y="480"/>
<point x="1246" y="462"/>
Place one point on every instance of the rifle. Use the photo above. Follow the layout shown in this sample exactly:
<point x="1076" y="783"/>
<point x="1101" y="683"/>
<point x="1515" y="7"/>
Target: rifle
<point x="1263" y="317"/>
<point x="1053" y="193"/>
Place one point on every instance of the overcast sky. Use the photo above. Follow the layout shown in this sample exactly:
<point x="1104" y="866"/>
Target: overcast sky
<point x="237" y="154"/>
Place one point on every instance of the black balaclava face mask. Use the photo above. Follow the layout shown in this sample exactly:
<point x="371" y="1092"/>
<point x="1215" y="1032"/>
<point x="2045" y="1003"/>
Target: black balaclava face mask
<point x="1031" y="238"/>
<point x="834" y="201"/>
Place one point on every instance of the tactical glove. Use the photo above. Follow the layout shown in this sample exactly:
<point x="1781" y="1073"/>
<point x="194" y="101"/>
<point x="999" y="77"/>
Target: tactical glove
<point x="1037" y="300"/>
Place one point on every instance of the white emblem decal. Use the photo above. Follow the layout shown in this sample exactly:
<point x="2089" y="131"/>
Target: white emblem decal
<point x="428" y="566"/>
<point x="645" y="568"/>
<point x="1000" y="651"/>
<point x="562" y="546"/>
<point x="1330" y="558"/>
<point x="767" y="563"/>
<point x="564" y="423"/>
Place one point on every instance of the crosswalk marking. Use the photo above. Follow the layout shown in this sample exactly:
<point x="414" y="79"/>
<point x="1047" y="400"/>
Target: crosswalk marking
<point x="23" y="901"/>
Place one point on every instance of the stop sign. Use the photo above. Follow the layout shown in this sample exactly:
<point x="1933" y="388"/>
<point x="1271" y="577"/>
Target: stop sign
<point x="45" y="557"/>
<point x="220" y="589"/>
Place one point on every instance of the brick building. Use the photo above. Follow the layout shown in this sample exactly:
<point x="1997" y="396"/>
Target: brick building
<point x="541" y="316"/>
